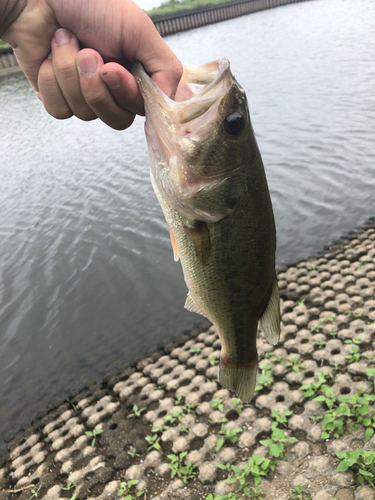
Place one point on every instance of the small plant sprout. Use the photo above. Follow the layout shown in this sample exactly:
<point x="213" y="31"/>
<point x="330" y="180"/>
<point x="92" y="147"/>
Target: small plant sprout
<point x="316" y="328"/>
<point x="190" y="408"/>
<point x="280" y="418"/>
<point x="69" y="486"/>
<point x="276" y="443"/>
<point x="227" y="433"/>
<point x="302" y="303"/>
<point x="313" y="389"/>
<point x="355" y="355"/>
<point x="333" y="334"/>
<point x="265" y="377"/>
<point x="313" y="268"/>
<point x="137" y="411"/>
<point x="213" y="360"/>
<point x="126" y="488"/>
<point x="218" y="404"/>
<point x="355" y="340"/>
<point x="180" y="469"/>
<point x="133" y="452"/>
<point x="175" y="419"/>
<point x="298" y="493"/>
<point x="321" y="344"/>
<point x="184" y="429"/>
<point x="239" y="405"/>
<point x="196" y="351"/>
<point x="93" y="434"/>
<point x="153" y="441"/>
<point x="35" y="492"/>
<point x="361" y="462"/>
<point x="293" y="364"/>
<point x="328" y="319"/>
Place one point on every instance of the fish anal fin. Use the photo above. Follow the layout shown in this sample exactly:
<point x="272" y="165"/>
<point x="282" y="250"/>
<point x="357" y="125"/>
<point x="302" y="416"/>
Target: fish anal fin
<point x="192" y="306"/>
<point x="176" y="252"/>
<point x="270" y="321"/>
<point x="239" y="377"/>
<point x="200" y="236"/>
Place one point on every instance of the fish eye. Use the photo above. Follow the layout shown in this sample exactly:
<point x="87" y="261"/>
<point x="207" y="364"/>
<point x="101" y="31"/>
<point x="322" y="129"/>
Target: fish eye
<point x="234" y="123"/>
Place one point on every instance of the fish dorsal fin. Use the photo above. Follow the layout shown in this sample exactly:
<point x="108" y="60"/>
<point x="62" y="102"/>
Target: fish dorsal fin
<point x="192" y="306"/>
<point x="176" y="252"/>
<point x="200" y="236"/>
<point x="270" y="321"/>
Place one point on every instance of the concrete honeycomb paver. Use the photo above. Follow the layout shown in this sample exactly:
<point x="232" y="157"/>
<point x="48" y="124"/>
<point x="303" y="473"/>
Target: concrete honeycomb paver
<point x="325" y="303"/>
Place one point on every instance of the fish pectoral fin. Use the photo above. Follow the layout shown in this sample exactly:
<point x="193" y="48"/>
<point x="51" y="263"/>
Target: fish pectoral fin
<point x="200" y="236"/>
<point x="270" y="321"/>
<point x="176" y="252"/>
<point x="239" y="378"/>
<point x="192" y="306"/>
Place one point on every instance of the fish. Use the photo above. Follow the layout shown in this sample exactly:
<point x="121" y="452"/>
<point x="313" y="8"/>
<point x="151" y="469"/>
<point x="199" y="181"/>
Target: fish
<point x="209" y="178"/>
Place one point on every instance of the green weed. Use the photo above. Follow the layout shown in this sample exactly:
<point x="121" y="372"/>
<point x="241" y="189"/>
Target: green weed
<point x="93" y="434"/>
<point x="280" y="418"/>
<point x="293" y="364"/>
<point x="355" y="355"/>
<point x="213" y="360"/>
<point x="180" y="469"/>
<point x="137" y="411"/>
<point x="265" y="378"/>
<point x="276" y="442"/>
<point x="35" y="492"/>
<point x="226" y="433"/>
<point x="133" y="452"/>
<point x="125" y="489"/>
<point x="321" y="344"/>
<point x="218" y="404"/>
<point x="361" y="462"/>
<point x="153" y="441"/>
<point x="313" y="389"/>
<point x="196" y="351"/>
<point x="328" y="319"/>
<point x="299" y="493"/>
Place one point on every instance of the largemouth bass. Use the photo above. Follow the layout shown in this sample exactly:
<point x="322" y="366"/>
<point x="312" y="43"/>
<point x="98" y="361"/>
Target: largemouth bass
<point x="209" y="178"/>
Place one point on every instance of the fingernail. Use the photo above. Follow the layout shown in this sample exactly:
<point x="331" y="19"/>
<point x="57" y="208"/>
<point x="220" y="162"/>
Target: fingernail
<point x="49" y="55"/>
<point x="62" y="36"/>
<point x="87" y="65"/>
<point x="111" y="79"/>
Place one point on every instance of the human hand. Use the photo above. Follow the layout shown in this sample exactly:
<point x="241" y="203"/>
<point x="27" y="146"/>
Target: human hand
<point x="70" y="81"/>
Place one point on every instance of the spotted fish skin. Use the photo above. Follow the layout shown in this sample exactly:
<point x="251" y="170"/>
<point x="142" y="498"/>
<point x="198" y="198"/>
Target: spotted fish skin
<point x="209" y="178"/>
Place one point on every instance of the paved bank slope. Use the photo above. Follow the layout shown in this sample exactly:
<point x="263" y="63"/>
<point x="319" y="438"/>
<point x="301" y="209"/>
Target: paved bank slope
<point x="328" y="313"/>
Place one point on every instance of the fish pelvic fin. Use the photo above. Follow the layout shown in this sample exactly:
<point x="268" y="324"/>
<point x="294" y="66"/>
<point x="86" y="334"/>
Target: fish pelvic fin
<point x="192" y="306"/>
<point x="239" y="378"/>
<point x="270" y="321"/>
<point x="176" y="252"/>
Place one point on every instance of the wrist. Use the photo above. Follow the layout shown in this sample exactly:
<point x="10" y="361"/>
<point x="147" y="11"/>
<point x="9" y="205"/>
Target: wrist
<point x="9" y="12"/>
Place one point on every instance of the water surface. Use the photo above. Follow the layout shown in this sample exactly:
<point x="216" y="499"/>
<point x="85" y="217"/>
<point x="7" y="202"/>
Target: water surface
<point x="88" y="281"/>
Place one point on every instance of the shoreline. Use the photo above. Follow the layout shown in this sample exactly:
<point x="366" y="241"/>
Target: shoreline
<point x="338" y="281"/>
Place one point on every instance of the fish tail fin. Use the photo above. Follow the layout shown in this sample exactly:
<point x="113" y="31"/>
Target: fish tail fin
<point x="240" y="378"/>
<point x="270" y="321"/>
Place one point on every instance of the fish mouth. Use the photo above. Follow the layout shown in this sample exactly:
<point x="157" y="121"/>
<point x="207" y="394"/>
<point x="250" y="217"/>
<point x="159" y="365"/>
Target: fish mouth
<point x="174" y="126"/>
<point x="200" y="87"/>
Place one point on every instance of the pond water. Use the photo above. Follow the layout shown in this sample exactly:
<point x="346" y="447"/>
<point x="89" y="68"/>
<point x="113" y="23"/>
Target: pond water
<point x="88" y="281"/>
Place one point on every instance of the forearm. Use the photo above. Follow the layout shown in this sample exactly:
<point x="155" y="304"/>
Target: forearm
<point x="9" y="12"/>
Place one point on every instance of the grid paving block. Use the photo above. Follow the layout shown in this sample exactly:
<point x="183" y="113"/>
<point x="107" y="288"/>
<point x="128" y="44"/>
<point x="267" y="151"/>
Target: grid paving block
<point x="59" y="437"/>
<point x="196" y="390"/>
<point x="25" y="444"/>
<point x="304" y="422"/>
<point x="344" y="384"/>
<point x="280" y="397"/>
<point x="163" y="365"/>
<point x="33" y="457"/>
<point x="105" y="407"/>
<point x="132" y="385"/>
<point x="180" y="375"/>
